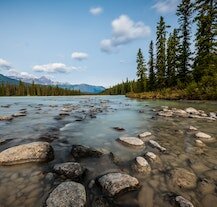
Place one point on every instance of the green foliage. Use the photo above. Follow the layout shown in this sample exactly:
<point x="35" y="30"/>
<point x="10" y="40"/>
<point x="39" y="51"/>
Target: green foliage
<point x="161" y="52"/>
<point x="34" y="90"/>
<point x="184" y="12"/>
<point x="152" y="77"/>
<point x="141" y="70"/>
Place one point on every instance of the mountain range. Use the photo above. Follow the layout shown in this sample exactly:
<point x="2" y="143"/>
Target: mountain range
<point x="46" y="81"/>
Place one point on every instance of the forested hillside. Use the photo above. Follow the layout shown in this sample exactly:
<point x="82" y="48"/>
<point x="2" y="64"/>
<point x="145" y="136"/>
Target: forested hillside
<point x="173" y="70"/>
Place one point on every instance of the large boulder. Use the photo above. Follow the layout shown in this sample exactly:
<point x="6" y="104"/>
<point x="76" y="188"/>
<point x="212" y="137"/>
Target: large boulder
<point x="32" y="152"/>
<point x="80" y="151"/>
<point x="141" y="165"/>
<point x="69" y="169"/>
<point x="131" y="141"/>
<point x="183" y="178"/>
<point x="67" y="194"/>
<point x="114" y="183"/>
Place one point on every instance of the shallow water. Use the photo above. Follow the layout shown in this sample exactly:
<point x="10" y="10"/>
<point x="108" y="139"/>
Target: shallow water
<point x="91" y="123"/>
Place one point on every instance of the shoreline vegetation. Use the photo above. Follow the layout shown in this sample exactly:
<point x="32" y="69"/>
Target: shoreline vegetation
<point x="174" y="70"/>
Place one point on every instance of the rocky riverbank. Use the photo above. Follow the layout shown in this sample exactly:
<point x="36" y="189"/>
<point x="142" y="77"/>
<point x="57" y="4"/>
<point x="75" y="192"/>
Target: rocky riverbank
<point x="163" y="171"/>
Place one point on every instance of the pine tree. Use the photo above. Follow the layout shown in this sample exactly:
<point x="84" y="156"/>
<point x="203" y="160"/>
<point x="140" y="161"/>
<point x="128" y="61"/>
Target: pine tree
<point x="161" y="53"/>
<point x="172" y="59"/>
<point x="184" y="12"/>
<point x="141" y="70"/>
<point x="206" y="39"/>
<point x="152" y="78"/>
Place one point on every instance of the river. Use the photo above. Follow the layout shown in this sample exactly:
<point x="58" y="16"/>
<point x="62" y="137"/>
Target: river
<point x="91" y="123"/>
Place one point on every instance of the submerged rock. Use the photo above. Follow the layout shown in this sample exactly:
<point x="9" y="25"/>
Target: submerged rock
<point x="141" y="165"/>
<point x="118" y="128"/>
<point x="144" y="134"/>
<point x="67" y="194"/>
<point x="18" y="114"/>
<point x="32" y="152"/>
<point x="183" y="202"/>
<point x="133" y="141"/>
<point x="199" y="143"/>
<point x="157" y="145"/>
<point x="69" y="169"/>
<point x="183" y="178"/>
<point x="204" y="137"/>
<point x="6" y="118"/>
<point x="80" y="151"/>
<point x="193" y="128"/>
<point x="114" y="183"/>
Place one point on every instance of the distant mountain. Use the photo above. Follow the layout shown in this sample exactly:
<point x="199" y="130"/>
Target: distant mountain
<point x="43" y="80"/>
<point x="83" y="88"/>
<point x="5" y="79"/>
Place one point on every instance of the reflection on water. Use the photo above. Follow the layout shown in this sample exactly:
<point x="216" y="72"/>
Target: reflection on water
<point x="90" y="122"/>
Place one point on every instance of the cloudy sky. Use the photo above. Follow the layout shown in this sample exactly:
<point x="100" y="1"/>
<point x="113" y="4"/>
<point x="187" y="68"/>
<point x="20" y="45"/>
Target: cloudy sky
<point x="78" y="41"/>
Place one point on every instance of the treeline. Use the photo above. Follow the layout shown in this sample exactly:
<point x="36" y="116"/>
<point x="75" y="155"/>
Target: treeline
<point x="171" y="63"/>
<point x="23" y="89"/>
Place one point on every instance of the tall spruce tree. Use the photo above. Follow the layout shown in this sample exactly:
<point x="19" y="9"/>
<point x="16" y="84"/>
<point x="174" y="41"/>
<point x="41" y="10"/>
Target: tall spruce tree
<point x="184" y="12"/>
<point x="152" y="78"/>
<point x="141" y="71"/>
<point x="172" y="59"/>
<point x="206" y="39"/>
<point x="161" y="53"/>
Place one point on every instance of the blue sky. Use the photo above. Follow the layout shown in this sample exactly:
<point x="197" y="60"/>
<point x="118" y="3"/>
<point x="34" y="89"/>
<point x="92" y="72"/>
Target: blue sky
<point x="78" y="41"/>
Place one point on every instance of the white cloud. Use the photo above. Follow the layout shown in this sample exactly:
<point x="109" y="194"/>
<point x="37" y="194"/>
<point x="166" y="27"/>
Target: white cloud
<point x="124" y="30"/>
<point x="166" y="6"/>
<point x="54" y="68"/>
<point x="4" y="64"/>
<point x="79" y="56"/>
<point x="96" y="10"/>
<point x="13" y="72"/>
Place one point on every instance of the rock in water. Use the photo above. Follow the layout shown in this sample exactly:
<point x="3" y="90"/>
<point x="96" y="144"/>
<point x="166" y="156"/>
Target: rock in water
<point x="192" y="110"/>
<point x="32" y="152"/>
<point x="80" y="151"/>
<point x="193" y="128"/>
<point x="183" y="178"/>
<point x="6" y="118"/>
<point x="142" y="166"/>
<point x="69" y="169"/>
<point x="151" y="157"/>
<point x="157" y="145"/>
<point x="204" y="137"/>
<point x="114" y="183"/>
<point x="132" y="141"/>
<point x="144" y="134"/>
<point x="182" y="202"/>
<point x="67" y="194"/>
<point x="199" y="143"/>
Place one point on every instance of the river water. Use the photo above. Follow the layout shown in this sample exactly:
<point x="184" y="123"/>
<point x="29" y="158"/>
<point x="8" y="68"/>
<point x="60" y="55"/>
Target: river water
<point x="91" y="124"/>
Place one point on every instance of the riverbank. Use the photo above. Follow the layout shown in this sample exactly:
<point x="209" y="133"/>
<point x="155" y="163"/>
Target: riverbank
<point x="176" y="94"/>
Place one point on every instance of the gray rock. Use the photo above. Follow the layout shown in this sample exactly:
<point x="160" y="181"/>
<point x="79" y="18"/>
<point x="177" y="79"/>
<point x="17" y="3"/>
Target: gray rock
<point x="183" y="178"/>
<point x="80" y="151"/>
<point x="204" y="137"/>
<point x="192" y="110"/>
<point x="182" y="202"/>
<point x="6" y="118"/>
<point x="168" y="113"/>
<point x="18" y="114"/>
<point x="180" y="113"/>
<point x="151" y="157"/>
<point x="132" y="141"/>
<point x="193" y="128"/>
<point x="32" y="152"/>
<point x="141" y="165"/>
<point x="157" y="145"/>
<point x="114" y="183"/>
<point x="199" y="143"/>
<point x="67" y="194"/>
<point x="69" y="169"/>
<point x="144" y="134"/>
